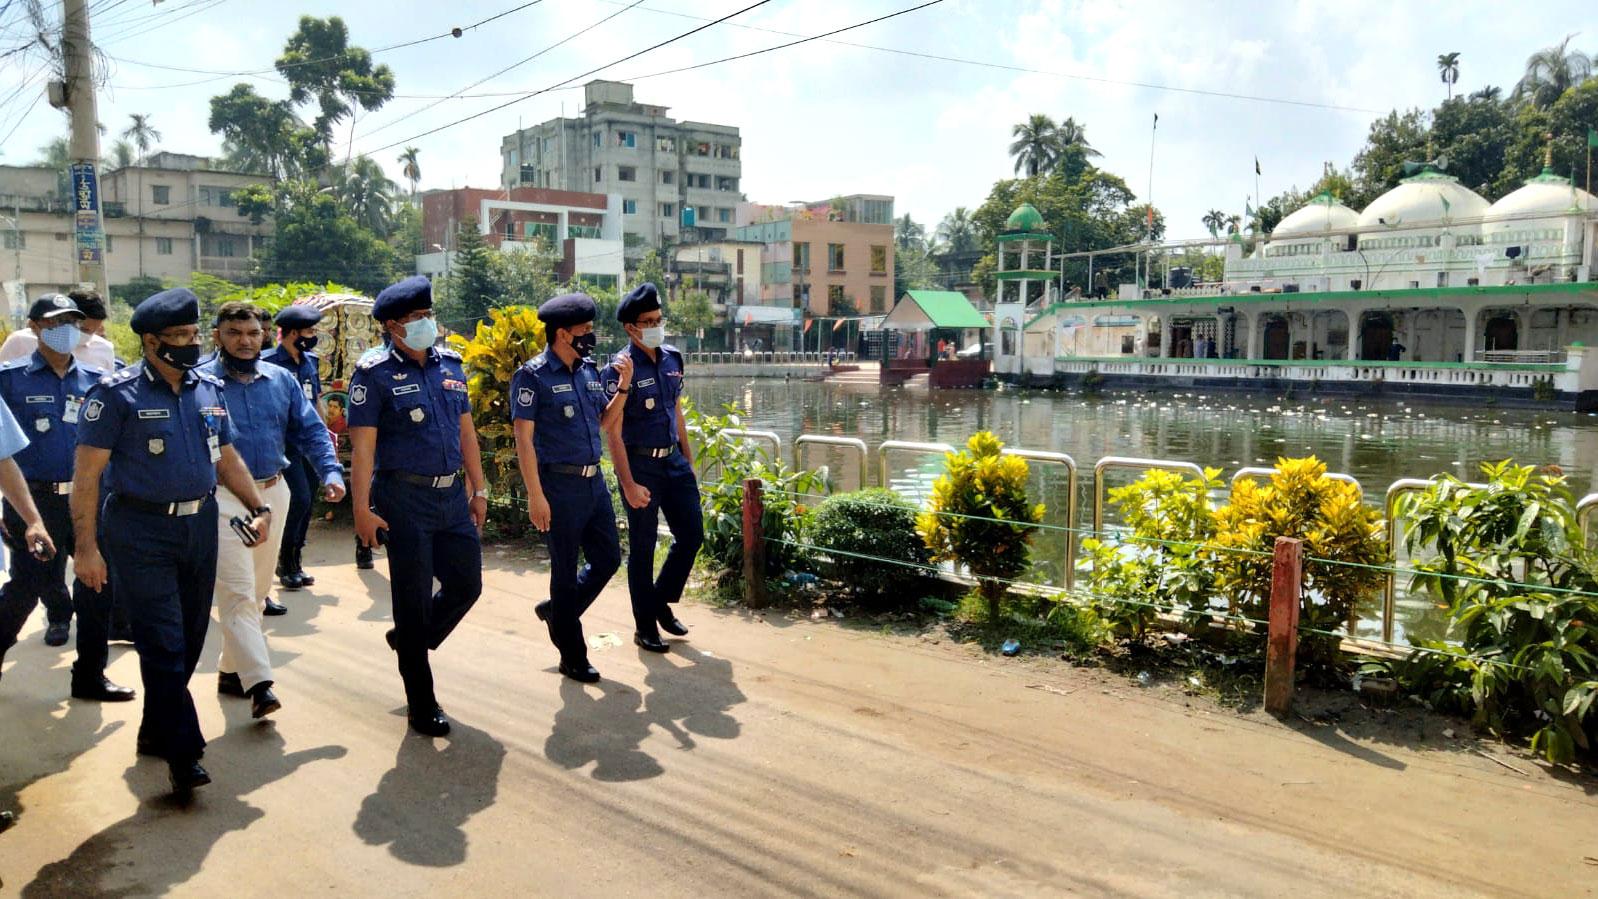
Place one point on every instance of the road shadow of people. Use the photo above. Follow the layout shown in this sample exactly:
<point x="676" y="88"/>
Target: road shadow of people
<point x="435" y="786"/>
<point x="40" y="743"/>
<point x="165" y="842"/>
<point x="692" y="699"/>
<point x="607" y="729"/>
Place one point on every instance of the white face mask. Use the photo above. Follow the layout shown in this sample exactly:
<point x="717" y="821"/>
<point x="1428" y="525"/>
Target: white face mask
<point x="652" y="337"/>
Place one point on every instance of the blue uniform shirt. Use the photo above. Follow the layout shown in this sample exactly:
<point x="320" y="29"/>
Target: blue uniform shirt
<point x="415" y="408"/>
<point x="306" y="371"/>
<point x="48" y="409"/>
<point x="164" y="445"/>
<point x="270" y="413"/>
<point x="649" y="417"/>
<point x="564" y="406"/>
<point x="12" y="440"/>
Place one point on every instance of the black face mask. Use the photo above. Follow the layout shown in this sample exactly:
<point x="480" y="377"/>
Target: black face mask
<point x="583" y="344"/>
<point x="305" y="344"/>
<point x="180" y="357"/>
<point x="236" y="364"/>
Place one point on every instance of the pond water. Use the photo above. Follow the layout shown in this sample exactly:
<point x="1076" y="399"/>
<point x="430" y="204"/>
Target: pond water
<point x="1375" y="441"/>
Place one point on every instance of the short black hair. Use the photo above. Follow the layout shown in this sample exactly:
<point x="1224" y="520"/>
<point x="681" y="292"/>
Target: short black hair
<point x="89" y="303"/>
<point x="238" y="311"/>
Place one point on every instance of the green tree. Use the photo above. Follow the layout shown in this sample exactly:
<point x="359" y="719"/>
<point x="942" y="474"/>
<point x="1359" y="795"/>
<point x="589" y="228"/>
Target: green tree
<point x="527" y="275"/>
<point x="317" y="240"/>
<point x="474" y="285"/>
<point x="914" y="269"/>
<point x="650" y="269"/>
<point x="55" y="155"/>
<point x="908" y="233"/>
<point x="366" y="192"/>
<point x="1474" y="134"/>
<point x="1072" y="133"/>
<point x="1567" y="119"/>
<point x="1215" y="220"/>
<point x="142" y="133"/>
<point x="320" y="65"/>
<point x="1448" y="70"/>
<point x="411" y="169"/>
<point x="980" y="516"/>
<point x="1036" y="145"/>
<point x="264" y="136"/>
<point x="1550" y="72"/>
<point x="405" y="238"/>
<point x="958" y="232"/>
<point x="692" y="313"/>
<point x="121" y="156"/>
<point x="1393" y="140"/>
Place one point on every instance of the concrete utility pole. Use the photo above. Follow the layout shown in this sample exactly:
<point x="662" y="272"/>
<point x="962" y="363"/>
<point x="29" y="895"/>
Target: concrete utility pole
<point x="88" y="226"/>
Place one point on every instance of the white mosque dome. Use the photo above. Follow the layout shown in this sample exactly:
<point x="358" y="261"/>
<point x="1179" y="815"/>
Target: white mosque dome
<point x="1429" y="198"/>
<point x="1546" y="196"/>
<point x="1321" y="214"/>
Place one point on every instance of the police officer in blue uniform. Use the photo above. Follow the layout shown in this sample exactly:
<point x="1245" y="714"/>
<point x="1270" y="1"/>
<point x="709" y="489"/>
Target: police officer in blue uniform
<point x="654" y="468"/>
<point x="163" y="429"/>
<point x="558" y="411"/>
<point x="297" y="337"/>
<point x="411" y="432"/>
<point x="45" y="392"/>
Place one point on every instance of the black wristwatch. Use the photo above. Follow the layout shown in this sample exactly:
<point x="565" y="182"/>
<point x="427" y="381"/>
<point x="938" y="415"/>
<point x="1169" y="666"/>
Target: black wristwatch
<point x="257" y="513"/>
<point x="624" y="390"/>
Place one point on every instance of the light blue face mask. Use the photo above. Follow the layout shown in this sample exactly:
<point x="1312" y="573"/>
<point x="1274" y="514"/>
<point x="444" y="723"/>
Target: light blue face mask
<point x="62" y="338"/>
<point x="420" y="334"/>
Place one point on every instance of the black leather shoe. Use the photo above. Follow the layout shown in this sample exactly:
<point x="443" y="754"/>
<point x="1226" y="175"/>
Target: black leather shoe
<point x="670" y="624"/>
<point x="263" y="701"/>
<point x="186" y="776"/>
<point x="542" y="611"/>
<point x="653" y="644"/>
<point x="584" y="673"/>
<point x="363" y="557"/>
<point x="101" y="690"/>
<point x="299" y="570"/>
<point x="391" y="637"/>
<point x="430" y="723"/>
<point x="274" y="608"/>
<point x="291" y="581"/>
<point x="228" y="684"/>
<point x="56" y="634"/>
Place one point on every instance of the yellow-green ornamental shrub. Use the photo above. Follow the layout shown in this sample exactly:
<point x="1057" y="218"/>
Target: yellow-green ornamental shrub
<point x="980" y="516"/>
<point x="507" y="338"/>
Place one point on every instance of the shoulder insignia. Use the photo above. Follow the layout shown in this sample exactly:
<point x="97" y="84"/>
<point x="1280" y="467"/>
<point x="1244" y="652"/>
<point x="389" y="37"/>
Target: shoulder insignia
<point x="120" y="376"/>
<point x="16" y="363"/>
<point x="448" y="353"/>
<point x="93" y="373"/>
<point x="536" y="363"/>
<point x="209" y="378"/>
<point x="371" y="359"/>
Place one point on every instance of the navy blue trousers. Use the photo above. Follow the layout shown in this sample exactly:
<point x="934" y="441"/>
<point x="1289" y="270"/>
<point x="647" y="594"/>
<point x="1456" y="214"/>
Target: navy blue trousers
<point x="581" y="519"/>
<point x="302" y="482"/>
<point x="673" y="491"/>
<point x="32" y="581"/>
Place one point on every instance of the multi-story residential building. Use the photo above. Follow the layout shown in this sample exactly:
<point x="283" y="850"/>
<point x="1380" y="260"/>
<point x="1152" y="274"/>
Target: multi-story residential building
<point x="729" y="271"/>
<point x="584" y="229"/>
<point x="660" y="167"/>
<point x="164" y="219"/>
<point x="824" y="259"/>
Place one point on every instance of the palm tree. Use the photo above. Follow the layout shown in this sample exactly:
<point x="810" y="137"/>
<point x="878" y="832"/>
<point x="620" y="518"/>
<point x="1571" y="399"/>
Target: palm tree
<point x="1551" y="71"/>
<point x="410" y="169"/>
<point x="908" y="233"/>
<point x="1071" y="133"/>
<point x="1448" y="70"/>
<point x="142" y="133"/>
<point x="1234" y="223"/>
<point x="1036" y="145"/>
<point x="121" y="155"/>
<point x="1215" y="220"/>
<point x="366" y="193"/>
<point x="958" y="231"/>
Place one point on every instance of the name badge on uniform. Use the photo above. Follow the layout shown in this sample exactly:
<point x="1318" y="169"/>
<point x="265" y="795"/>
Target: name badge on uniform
<point x="418" y="414"/>
<point x="41" y="424"/>
<point x="41" y="399"/>
<point x="408" y="388"/>
<point x="156" y="446"/>
<point x="214" y="444"/>
<point x="647" y="382"/>
<point x="561" y="388"/>
<point x="155" y="413"/>
<point x="70" y="413"/>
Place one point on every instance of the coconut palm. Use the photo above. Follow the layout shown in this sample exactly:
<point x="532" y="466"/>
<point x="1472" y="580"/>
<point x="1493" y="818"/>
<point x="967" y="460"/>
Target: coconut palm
<point x="1551" y="71"/>
<point x="410" y="169"/>
<point x="366" y="193"/>
<point x="907" y="232"/>
<point x="1215" y="220"/>
<point x="1071" y="133"/>
<point x="1448" y="70"/>
<point x="142" y="133"/>
<point x="1036" y="145"/>
<point x="121" y="155"/>
<point x="1234" y="223"/>
<point x="958" y="231"/>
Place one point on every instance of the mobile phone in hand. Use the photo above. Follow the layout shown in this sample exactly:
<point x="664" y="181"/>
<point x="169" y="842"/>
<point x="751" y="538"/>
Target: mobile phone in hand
<point x="248" y="535"/>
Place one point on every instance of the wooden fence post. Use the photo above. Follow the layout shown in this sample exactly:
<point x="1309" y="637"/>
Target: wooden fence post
<point x="754" y="545"/>
<point x="1287" y="579"/>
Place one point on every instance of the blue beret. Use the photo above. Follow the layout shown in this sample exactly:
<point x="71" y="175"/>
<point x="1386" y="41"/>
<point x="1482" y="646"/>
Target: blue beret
<point x="297" y="316"/>
<point x="167" y="309"/>
<point x="567" y="310"/>
<point x="641" y="299"/>
<point x="51" y="305"/>
<point x="399" y="300"/>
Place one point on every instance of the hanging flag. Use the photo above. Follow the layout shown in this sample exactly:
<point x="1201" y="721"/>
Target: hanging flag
<point x="838" y="324"/>
<point x="808" y="323"/>
<point x="1156" y="120"/>
<point x="1151" y="216"/>
<point x="1592" y="138"/>
<point x="1447" y="206"/>
<point x="1256" y="165"/>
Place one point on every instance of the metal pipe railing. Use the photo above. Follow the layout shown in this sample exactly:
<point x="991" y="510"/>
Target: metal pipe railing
<point x="1584" y="507"/>
<point x="906" y="446"/>
<point x="850" y="443"/>
<point x="1110" y="463"/>
<point x="770" y="437"/>
<point x="1070" y="503"/>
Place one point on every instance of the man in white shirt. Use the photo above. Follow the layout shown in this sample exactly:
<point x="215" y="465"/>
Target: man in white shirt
<point x="95" y="351"/>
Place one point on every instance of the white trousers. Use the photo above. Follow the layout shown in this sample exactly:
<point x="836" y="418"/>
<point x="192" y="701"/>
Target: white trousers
<point x="243" y="582"/>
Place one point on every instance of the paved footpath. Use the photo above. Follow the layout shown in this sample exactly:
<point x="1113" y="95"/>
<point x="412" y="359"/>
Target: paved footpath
<point x="763" y="756"/>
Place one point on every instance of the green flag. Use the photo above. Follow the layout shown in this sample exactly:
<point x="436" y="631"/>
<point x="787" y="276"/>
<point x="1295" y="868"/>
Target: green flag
<point x="1592" y="138"/>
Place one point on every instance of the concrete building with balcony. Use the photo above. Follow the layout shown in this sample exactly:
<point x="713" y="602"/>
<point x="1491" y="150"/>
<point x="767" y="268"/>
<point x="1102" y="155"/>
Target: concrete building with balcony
<point x="164" y="219"/>
<point x="583" y="229"/>
<point x="730" y="272"/>
<point x="656" y="164"/>
<point x="824" y="259"/>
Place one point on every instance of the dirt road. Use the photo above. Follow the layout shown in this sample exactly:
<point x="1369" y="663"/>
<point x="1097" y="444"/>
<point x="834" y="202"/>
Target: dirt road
<point x="763" y="756"/>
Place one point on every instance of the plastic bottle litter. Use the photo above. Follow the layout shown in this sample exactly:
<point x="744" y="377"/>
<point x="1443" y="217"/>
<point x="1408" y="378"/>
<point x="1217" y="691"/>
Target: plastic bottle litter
<point x="1010" y="647"/>
<point x="1144" y="679"/>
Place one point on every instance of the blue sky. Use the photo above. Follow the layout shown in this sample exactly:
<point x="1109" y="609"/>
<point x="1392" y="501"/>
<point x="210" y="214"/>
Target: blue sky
<point x="826" y="118"/>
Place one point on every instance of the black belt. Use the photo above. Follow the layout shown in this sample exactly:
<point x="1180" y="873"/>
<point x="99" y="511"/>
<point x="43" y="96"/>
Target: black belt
<point x="53" y="488"/>
<point x="178" y="509"/>
<point x="438" y="482"/>
<point x="582" y="471"/>
<point x="652" y="452"/>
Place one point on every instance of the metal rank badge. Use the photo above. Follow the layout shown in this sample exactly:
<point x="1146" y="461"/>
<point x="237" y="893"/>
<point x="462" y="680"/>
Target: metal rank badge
<point x="571" y="412"/>
<point x="649" y="402"/>
<point x="156" y="446"/>
<point x="418" y="414"/>
<point x="41" y="425"/>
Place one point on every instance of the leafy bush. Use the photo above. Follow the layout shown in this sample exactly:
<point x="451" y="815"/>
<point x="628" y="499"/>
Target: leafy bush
<point x="727" y="461"/>
<point x="1511" y="565"/>
<point x="501" y="344"/>
<point x="866" y="527"/>
<point x="980" y="516"/>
